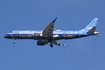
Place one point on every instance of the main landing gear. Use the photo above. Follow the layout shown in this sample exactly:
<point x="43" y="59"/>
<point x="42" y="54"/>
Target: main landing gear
<point x="13" y="41"/>
<point x="51" y="45"/>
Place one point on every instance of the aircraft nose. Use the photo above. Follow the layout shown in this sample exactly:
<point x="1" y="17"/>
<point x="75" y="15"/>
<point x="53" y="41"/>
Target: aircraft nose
<point x="4" y="36"/>
<point x="7" y="36"/>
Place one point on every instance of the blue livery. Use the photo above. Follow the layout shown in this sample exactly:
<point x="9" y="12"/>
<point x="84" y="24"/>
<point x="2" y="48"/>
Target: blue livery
<point x="49" y="35"/>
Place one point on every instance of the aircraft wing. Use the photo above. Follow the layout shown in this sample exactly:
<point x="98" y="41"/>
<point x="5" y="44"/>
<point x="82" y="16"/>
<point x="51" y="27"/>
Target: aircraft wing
<point x="59" y="44"/>
<point x="48" y="32"/>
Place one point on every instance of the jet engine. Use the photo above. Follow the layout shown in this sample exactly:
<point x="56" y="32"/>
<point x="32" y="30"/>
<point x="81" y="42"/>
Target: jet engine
<point x="41" y="43"/>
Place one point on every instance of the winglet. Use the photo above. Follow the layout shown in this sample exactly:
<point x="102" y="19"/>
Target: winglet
<point x="65" y="44"/>
<point x="54" y="19"/>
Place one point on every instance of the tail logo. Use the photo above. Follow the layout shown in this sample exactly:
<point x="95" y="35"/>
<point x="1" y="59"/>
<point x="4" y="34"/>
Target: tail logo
<point x="89" y="28"/>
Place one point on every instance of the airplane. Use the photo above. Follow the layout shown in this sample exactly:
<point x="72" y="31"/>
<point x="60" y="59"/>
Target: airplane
<point x="49" y="35"/>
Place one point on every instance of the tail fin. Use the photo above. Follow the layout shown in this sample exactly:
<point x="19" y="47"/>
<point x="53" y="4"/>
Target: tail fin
<point x="91" y="26"/>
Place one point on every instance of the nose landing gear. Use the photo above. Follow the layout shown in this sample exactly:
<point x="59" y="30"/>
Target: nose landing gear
<point x="13" y="41"/>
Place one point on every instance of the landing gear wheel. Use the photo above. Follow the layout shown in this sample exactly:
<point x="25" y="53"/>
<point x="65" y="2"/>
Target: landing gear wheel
<point x="51" y="45"/>
<point x="13" y="42"/>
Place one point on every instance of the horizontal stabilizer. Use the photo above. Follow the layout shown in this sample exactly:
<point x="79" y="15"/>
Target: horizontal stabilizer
<point x="96" y="35"/>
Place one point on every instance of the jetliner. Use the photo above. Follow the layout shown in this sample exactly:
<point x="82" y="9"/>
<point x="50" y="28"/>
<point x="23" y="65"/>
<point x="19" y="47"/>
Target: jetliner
<point x="49" y="35"/>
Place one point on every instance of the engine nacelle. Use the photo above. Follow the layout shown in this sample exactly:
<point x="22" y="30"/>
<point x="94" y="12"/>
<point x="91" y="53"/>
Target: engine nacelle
<point x="41" y="43"/>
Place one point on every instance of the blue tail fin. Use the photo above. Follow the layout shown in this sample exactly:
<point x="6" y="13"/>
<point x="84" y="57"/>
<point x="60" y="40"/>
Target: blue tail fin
<point x="91" y="26"/>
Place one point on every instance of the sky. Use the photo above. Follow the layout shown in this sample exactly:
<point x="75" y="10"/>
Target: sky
<point x="86" y="53"/>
